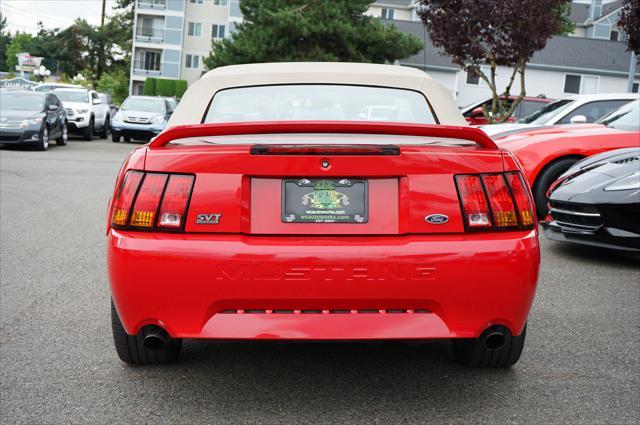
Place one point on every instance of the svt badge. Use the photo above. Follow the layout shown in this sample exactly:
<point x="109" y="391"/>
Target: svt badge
<point x="208" y="218"/>
<point x="436" y="218"/>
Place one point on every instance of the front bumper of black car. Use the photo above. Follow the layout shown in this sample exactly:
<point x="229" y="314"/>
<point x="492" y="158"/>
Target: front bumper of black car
<point x="19" y="136"/>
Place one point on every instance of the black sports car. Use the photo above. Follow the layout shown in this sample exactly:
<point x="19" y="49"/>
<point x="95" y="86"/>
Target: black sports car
<point x="597" y="202"/>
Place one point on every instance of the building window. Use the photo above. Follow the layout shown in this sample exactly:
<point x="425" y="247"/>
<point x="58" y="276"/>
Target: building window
<point x="192" y="61"/>
<point x="194" y="29"/>
<point x="220" y="2"/>
<point x="217" y="31"/>
<point x="388" y="13"/>
<point x="634" y="88"/>
<point x="196" y="1"/>
<point x="473" y="76"/>
<point x="580" y="84"/>
<point x="613" y="35"/>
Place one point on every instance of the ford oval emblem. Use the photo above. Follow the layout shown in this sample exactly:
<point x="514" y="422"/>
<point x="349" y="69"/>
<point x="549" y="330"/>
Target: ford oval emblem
<point x="436" y="219"/>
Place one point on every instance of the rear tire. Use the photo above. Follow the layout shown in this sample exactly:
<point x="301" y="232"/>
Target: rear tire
<point x="547" y="176"/>
<point x="87" y="132"/>
<point x="473" y="352"/>
<point x="131" y="348"/>
<point x="106" y="129"/>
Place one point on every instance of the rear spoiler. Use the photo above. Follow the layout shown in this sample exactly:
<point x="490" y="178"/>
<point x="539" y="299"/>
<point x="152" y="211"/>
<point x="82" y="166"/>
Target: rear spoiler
<point x="349" y="127"/>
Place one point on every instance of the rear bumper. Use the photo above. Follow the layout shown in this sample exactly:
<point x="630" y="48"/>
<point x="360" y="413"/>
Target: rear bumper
<point x="284" y="287"/>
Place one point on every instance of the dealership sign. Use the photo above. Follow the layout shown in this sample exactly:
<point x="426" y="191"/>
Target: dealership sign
<point x="27" y="63"/>
<point x="17" y="83"/>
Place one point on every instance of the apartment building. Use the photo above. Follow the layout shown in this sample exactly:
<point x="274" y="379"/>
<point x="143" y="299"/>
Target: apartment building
<point x="172" y="37"/>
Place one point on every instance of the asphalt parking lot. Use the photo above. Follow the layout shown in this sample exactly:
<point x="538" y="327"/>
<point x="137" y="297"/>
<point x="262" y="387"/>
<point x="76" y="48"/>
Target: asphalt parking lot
<point x="581" y="362"/>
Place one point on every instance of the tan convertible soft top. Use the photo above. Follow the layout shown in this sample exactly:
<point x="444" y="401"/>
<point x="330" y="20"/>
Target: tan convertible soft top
<point x="195" y="101"/>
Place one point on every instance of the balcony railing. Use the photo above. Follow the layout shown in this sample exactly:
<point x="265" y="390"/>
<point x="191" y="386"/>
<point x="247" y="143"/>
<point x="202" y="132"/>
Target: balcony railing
<point x="153" y="35"/>
<point x="152" y="4"/>
<point x="146" y="68"/>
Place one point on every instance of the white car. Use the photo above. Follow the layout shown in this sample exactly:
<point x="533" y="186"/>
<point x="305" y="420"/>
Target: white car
<point x="86" y="112"/>
<point x="47" y="87"/>
<point x="576" y="109"/>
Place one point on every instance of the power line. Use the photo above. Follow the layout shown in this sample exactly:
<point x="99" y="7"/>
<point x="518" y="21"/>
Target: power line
<point x="19" y="11"/>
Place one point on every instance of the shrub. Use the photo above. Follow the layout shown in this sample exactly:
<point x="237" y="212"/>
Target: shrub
<point x="165" y="87"/>
<point x="181" y="87"/>
<point x="150" y="88"/>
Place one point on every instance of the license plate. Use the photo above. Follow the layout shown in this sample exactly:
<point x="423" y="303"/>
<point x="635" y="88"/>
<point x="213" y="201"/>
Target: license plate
<point x="324" y="201"/>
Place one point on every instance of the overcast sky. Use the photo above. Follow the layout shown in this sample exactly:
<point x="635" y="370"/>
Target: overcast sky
<point x="23" y="15"/>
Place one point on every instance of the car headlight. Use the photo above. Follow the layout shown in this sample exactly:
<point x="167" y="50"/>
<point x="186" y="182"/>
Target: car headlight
<point x="631" y="182"/>
<point x="157" y="119"/>
<point x="82" y="110"/>
<point x="120" y="116"/>
<point x="27" y="123"/>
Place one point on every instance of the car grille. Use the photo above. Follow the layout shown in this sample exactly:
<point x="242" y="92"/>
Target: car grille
<point x="6" y="138"/>
<point x="576" y="217"/>
<point x="137" y="120"/>
<point x="69" y="111"/>
<point x="360" y="311"/>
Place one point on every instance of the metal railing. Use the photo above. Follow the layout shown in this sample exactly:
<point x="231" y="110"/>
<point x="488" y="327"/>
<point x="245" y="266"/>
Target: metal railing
<point x="152" y="4"/>
<point x="147" y="68"/>
<point x="150" y="34"/>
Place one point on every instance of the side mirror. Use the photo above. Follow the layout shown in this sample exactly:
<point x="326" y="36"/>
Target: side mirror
<point x="578" y="119"/>
<point x="97" y="101"/>
<point x="53" y="107"/>
<point x="477" y="112"/>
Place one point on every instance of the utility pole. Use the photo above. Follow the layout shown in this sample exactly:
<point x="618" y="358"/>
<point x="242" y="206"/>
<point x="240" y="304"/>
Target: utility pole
<point x="104" y="7"/>
<point x="101" y="45"/>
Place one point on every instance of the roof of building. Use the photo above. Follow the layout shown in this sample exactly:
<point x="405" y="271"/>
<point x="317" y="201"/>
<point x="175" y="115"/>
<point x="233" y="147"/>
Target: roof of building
<point x="396" y="3"/>
<point x="580" y="11"/>
<point x="561" y="53"/>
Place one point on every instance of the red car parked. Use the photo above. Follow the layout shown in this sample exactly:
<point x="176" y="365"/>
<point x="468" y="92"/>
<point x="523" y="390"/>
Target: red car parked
<point x="474" y="113"/>
<point x="545" y="153"/>
<point x="338" y="229"/>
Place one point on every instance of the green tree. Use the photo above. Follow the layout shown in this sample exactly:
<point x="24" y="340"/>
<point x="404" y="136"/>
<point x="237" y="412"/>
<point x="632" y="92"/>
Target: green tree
<point x="5" y="40"/>
<point x="116" y="83"/>
<point x="300" y="30"/>
<point x="21" y="43"/>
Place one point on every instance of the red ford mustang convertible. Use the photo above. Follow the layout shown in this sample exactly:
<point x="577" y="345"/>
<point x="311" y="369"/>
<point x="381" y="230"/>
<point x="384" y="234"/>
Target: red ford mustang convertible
<point x="321" y="201"/>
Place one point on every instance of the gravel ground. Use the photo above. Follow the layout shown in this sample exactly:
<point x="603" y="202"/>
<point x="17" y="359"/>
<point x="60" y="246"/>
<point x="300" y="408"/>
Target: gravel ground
<point x="57" y="363"/>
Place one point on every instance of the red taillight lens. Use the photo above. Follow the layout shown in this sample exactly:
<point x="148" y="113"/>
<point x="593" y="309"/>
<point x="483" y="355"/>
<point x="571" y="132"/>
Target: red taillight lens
<point x="174" y="202"/>
<point x="146" y="205"/>
<point x="523" y="200"/>
<point x="474" y="202"/>
<point x="152" y="200"/>
<point x="502" y="208"/>
<point x="506" y="194"/>
<point x="124" y="198"/>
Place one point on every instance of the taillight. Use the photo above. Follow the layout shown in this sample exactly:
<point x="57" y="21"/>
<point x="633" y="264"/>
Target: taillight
<point x="325" y="150"/>
<point x="474" y="202"/>
<point x="124" y="198"/>
<point x="523" y="200"/>
<point x="502" y="208"/>
<point x="146" y="205"/>
<point x="152" y="201"/>
<point x="174" y="202"/>
<point x="498" y="201"/>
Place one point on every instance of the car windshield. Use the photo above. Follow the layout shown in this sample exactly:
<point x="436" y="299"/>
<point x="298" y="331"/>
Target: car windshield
<point x="544" y="114"/>
<point x="319" y="102"/>
<point x="625" y="118"/>
<point x="21" y="102"/>
<point x="72" y="96"/>
<point x="143" y="105"/>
